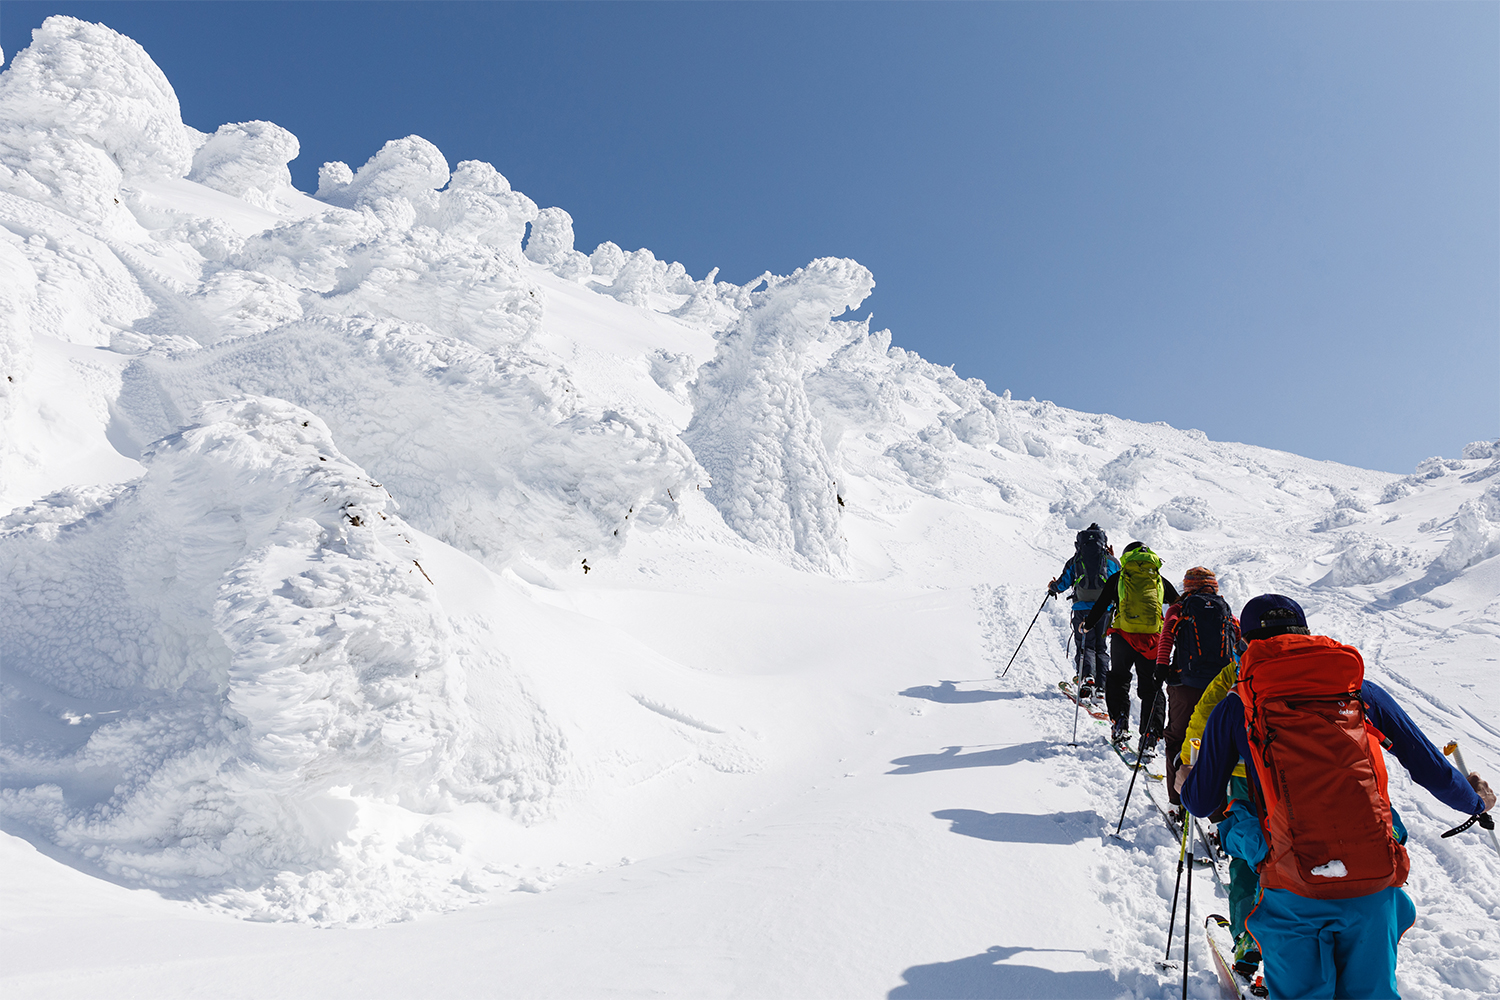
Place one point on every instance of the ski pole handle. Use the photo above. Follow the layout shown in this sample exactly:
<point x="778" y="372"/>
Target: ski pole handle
<point x="1482" y="818"/>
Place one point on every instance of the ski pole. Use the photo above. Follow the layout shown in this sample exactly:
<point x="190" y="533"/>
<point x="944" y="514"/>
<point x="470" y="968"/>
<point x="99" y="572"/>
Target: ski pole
<point x="1077" y="704"/>
<point x="1187" y="915"/>
<point x="1140" y="753"/>
<point x="1483" y="819"/>
<point x="1166" y="961"/>
<point x="1038" y="614"/>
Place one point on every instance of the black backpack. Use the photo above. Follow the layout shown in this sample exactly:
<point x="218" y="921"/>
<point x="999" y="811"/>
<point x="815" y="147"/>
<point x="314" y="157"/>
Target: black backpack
<point x="1090" y="563"/>
<point x="1204" y="640"/>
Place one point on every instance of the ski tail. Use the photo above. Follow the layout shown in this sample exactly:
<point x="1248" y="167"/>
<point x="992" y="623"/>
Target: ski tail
<point x="1233" y="984"/>
<point x="1229" y="984"/>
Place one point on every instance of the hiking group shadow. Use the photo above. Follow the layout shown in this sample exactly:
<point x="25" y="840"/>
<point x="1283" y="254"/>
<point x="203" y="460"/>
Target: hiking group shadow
<point x="1022" y="828"/>
<point x="948" y="693"/>
<point x="982" y="977"/>
<point x="953" y="757"/>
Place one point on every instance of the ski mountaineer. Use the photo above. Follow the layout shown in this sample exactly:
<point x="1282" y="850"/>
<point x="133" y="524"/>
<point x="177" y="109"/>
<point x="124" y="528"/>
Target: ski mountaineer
<point x="1318" y="823"/>
<point x="1093" y="562"/>
<point x="1199" y="637"/>
<point x="1244" y="881"/>
<point x="1136" y="593"/>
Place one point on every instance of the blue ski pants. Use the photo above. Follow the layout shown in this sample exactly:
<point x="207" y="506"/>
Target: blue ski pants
<point x="1318" y="948"/>
<point x="1090" y="649"/>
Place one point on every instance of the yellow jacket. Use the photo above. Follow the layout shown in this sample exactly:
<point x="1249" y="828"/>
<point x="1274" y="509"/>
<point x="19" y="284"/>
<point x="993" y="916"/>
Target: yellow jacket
<point x="1212" y="695"/>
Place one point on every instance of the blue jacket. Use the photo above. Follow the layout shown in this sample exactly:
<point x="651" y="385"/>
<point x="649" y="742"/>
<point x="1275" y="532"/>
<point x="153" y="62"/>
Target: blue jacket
<point x="1065" y="579"/>
<point x="1225" y="744"/>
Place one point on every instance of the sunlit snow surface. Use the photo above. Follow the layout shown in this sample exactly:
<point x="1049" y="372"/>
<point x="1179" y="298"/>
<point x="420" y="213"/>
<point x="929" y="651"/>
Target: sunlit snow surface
<point x="362" y="565"/>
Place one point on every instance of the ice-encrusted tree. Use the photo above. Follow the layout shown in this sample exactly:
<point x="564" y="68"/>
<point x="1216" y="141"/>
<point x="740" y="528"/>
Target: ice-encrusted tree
<point x="753" y="428"/>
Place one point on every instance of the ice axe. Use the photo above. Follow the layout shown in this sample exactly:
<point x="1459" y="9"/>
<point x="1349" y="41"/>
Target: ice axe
<point x="1482" y="818"/>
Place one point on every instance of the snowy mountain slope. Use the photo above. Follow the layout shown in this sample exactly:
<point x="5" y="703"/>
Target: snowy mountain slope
<point x="379" y="553"/>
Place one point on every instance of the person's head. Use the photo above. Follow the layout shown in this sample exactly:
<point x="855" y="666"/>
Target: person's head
<point x="1272" y="614"/>
<point x="1132" y="547"/>
<point x="1199" y="579"/>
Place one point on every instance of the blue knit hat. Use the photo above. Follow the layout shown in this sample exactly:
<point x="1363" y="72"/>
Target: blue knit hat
<point x="1273" y="607"/>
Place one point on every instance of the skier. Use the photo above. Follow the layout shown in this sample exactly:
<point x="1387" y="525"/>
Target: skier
<point x="1244" y="881"/>
<point x="1136" y="593"/>
<point x="1093" y="563"/>
<point x="1199" y="637"/>
<point x="1328" y="845"/>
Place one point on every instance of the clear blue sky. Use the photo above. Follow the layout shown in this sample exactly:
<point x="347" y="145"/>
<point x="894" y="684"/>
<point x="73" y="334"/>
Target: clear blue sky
<point x="1279" y="223"/>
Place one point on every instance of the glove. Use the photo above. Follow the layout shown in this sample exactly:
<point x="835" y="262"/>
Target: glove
<point x="1052" y="589"/>
<point x="1486" y="795"/>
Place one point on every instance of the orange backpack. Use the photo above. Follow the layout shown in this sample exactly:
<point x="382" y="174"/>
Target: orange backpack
<point x="1324" y="808"/>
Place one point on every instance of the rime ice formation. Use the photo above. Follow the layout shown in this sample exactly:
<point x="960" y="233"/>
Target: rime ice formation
<point x="371" y="554"/>
<point x="247" y="160"/>
<point x="82" y="110"/>
<point x="753" y="427"/>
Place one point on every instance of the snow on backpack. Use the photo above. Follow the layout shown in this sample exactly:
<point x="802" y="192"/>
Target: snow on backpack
<point x="1204" y="641"/>
<point x="1090" y="563"/>
<point x="1324" y="807"/>
<point x="1139" y="605"/>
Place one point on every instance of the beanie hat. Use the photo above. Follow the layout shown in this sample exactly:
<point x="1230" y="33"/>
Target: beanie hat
<point x="1200" y="578"/>
<point x="1272" y="614"/>
<point x="1133" y="546"/>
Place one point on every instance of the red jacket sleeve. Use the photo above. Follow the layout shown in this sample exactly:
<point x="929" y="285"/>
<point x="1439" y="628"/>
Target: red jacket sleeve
<point x="1168" y="636"/>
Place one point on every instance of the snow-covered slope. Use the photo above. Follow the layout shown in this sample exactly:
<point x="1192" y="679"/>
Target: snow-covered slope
<point x="378" y="553"/>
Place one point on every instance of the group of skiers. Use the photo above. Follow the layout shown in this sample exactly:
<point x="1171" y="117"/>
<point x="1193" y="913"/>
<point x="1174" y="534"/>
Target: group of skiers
<point x="1275" y="734"/>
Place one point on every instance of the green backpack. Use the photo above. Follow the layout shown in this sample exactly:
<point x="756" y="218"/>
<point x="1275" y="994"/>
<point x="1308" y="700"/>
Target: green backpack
<point x="1139" y="606"/>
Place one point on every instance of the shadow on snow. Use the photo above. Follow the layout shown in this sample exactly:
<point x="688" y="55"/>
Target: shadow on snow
<point x="981" y="977"/>
<point x="1023" y="828"/>
<point x="953" y="757"/>
<point x="948" y="693"/>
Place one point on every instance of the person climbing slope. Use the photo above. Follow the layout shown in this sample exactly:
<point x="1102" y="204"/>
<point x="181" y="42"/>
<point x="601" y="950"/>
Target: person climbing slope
<point x="1244" y="882"/>
<point x="1318" y="823"/>
<point x="1136" y="594"/>
<point x="1092" y="564"/>
<point x="1199" y="638"/>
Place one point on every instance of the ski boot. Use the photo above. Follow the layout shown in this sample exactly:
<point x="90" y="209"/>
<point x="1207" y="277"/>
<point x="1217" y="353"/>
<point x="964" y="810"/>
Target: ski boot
<point x="1119" y="735"/>
<point x="1246" y="955"/>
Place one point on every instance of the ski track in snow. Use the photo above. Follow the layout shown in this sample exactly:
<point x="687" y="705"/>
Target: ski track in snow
<point x="376" y="554"/>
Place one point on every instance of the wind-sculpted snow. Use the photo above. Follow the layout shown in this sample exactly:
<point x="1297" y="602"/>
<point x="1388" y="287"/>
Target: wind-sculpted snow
<point x="248" y="160"/>
<point x="81" y="109"/>
<point x="753" y="427"/>
<point x="261" y="650"/>
<point x="18" y="289"/>
<point x="495" y="454"/>
<point x="551" y="244"/>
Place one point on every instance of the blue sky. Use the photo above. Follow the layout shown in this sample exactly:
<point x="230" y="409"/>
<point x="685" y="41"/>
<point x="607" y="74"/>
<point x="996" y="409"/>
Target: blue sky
<point x="1278" y="223"/>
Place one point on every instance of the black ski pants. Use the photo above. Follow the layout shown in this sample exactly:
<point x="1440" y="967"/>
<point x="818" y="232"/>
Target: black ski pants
<point x="1090" y="650"/>
<point x="1123" y="659"/>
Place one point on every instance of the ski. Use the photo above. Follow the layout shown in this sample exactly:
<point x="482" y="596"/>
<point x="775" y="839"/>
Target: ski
<point x="1233" y="984"/>
<point x="1125" y="755"/>
<point x="1218" y="861"/>
<point x="1086" y="704"/>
